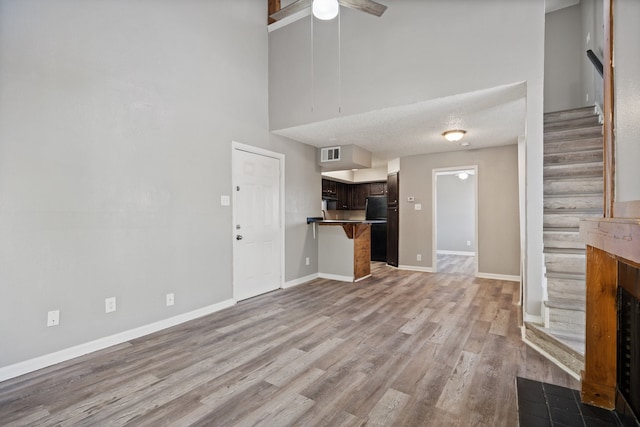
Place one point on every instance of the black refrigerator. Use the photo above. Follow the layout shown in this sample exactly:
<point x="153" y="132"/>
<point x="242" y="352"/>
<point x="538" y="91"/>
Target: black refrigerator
<point x="376" y="209"/>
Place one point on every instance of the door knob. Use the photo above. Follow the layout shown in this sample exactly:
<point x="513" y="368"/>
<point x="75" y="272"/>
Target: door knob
<point x="238" y="237"/>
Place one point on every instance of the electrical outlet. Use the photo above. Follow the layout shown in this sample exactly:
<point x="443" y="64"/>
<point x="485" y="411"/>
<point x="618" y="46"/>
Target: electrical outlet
<point x="170" y="300"/>
<point x="53" y="318"/>
<point x="468" y="242"/>
<point x="419" y="257"/>
<point x="306" y="261"/>
<point x="110" y="305"/>
<point x="225" y="200"/>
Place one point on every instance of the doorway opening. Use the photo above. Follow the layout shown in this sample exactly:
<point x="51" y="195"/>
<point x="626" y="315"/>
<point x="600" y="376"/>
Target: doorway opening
<point x="455" y="220"/>
<point x="258" y="221"/>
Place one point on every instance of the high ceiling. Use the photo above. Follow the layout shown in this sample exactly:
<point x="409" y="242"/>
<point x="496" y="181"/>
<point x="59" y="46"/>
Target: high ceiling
<point x="491" y="117"/>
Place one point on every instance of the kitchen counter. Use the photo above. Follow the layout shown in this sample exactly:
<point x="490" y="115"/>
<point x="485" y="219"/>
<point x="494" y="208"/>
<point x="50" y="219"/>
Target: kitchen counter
<point x="344" y="248"/>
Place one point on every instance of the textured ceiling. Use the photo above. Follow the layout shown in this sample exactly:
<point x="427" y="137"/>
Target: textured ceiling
<point x="491" y="117"/>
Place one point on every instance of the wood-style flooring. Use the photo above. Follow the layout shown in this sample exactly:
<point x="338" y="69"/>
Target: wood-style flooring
<point x="459" y="264"/>
<point x="400" y="348"/>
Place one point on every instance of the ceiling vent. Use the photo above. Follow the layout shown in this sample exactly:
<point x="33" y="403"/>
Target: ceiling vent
<point x="343" y="157"/>
<point x="330" y="154"/>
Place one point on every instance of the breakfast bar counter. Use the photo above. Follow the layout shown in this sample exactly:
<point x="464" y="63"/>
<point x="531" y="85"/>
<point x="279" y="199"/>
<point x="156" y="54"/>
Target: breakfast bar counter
<point x="344" y="249"/>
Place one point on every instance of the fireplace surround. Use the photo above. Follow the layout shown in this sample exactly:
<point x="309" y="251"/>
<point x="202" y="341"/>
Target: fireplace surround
<point x="611" y="378"/>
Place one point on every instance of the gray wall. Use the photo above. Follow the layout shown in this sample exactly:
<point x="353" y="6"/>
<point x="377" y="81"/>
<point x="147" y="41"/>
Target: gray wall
<point x="498" y="246"/>
<point x="627" y="99"/>
<point x="592" y="21"/>
<point x="116" y="122"/>
<point x="456" y="219"/>
<point x="563" y="87"/>
<point x="416" y="52"/>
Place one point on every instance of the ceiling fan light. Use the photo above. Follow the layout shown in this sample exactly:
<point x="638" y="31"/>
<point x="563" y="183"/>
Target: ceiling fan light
<point x="325" y="9"/>
<point x="454" y="135"/>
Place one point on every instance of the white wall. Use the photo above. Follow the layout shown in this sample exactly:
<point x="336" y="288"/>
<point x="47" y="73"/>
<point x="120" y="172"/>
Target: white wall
<point x="627" y="99"/>
<point x="116" y="123"/>
<point x="563" y="87"/>
<point x="456" y="213"/>
<point x="416" y="52"/>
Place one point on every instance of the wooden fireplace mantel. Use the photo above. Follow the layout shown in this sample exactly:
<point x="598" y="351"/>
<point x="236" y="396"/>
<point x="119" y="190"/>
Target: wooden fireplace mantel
<point x="609" y="241"/>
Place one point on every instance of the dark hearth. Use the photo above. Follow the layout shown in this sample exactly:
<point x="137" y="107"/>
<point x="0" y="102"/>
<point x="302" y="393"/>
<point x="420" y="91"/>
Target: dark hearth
<point x="628" y="348"/>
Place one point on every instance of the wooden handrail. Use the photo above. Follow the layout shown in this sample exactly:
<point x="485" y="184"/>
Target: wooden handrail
<point x="609" y="136"/>
<point x="596" y="62"/>
<point x="273" y="6"/>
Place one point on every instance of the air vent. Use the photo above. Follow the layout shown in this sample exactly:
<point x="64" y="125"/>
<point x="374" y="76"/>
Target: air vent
<point x="330" y="154"/>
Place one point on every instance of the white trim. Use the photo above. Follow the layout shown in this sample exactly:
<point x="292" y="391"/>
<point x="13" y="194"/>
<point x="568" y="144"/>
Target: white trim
<point x="547" y="355"/>
<point x="362" y="278"/>
<point x="415" y="268"/>
<point x="21" y="368"/>
<point x="434" y="213"/>
<point x="507" y="277"/>
<point x="300" y="281"/>
<point x="289" y="19"/>
<point x="335" y="277"/>
<point x="281" y="160"/>
<point x="442" y="252"/>
<point x="532" y="318"/>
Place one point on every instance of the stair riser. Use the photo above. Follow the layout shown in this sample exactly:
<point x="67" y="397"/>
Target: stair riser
<point x="566" y="320"/>
<point x="565" y="263"/>
<point x="569" y="114"/>
<point x="588" y="121"/>
<point x="574" y="202"/>
<point x="579" y="170"/>
<point x="568" y="220"/>
<point x="565" y="134"/>
<point x="573" y="186"/>
<point x="573" y="145"/>
<point x="563" y="240"/>
<point x="577" y="157"/>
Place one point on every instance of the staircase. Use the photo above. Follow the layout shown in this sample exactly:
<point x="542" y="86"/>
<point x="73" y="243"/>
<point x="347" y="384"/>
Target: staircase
<point x="573" y="189"/>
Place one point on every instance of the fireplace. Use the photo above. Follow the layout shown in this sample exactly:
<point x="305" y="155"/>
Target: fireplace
<point x="628" y="339"/>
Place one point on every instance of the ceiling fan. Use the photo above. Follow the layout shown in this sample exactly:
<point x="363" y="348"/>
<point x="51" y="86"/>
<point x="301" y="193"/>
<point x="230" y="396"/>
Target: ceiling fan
<point x="328" y="9"/>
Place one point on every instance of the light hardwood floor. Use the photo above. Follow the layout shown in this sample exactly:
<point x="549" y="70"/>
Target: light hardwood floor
<point x="459" y="264"/>
<point x="400" y="348"/>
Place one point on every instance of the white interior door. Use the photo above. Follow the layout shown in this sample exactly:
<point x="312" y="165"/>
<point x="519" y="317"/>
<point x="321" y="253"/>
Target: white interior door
<point x="257" y="233"/>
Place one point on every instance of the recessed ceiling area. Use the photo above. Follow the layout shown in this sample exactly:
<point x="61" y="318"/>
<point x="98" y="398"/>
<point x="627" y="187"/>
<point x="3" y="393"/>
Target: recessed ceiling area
<point x="491" y="117"/>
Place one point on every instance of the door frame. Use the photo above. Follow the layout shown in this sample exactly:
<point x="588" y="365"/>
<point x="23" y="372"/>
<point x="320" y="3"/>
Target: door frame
<point x="238" y="146"/>
<point x="434" y="213"/>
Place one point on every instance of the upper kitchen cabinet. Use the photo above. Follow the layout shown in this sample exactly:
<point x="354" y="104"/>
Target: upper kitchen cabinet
<point x="393" y="185"/>
<point x="359" y="194"/>
<point x="343" y="194"/>
<point x="329" y="189"/>
<point x="378" y="189"/>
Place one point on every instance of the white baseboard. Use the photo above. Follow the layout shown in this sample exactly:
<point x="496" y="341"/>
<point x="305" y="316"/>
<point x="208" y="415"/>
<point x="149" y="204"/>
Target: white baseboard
<point x="415" y="268"/>
<point x="335" y="277"/>
<point x="531" y="318"/>
<point x="300" y="281"/>
<point x="506" y="277"/>
<point x="456" y="253"/>
<point x="21" y="368"/>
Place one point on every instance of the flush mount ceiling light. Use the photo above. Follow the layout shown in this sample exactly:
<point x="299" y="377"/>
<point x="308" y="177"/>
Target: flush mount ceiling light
<point x="454" y="135"/>
<point x="463" y="175"/>
<point x="325" y="9"/>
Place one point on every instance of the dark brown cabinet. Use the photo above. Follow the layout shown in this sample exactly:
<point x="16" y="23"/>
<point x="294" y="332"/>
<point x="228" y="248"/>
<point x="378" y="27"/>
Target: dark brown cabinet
<point x="329" y="189"/>
<point x="343" y="195"/>
<point x="393" y="218"/>
<point x="378" y="189"/>
<point x="393" y="182"/>
<point x="359" y="194"/>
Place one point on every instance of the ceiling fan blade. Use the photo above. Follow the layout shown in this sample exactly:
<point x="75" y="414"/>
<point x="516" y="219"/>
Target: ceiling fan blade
<point x="367" y="6"/>
<point x="291" y="9"/>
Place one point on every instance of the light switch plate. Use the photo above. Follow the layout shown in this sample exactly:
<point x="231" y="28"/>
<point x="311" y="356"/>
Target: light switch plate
<point x="418" y="206"/>
<point x="225" y="200"/>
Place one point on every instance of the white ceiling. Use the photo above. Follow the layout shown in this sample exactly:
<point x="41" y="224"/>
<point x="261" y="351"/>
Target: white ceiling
<point x="491" y="117"/>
